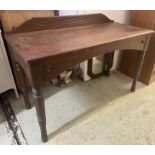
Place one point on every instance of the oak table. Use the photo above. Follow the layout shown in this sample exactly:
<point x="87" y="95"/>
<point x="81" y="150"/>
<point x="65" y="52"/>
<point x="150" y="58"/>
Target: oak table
<point x="44" y="47"/>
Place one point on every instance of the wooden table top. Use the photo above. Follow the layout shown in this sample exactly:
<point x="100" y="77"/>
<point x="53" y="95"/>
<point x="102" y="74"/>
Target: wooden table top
<point x="45" y="43"/>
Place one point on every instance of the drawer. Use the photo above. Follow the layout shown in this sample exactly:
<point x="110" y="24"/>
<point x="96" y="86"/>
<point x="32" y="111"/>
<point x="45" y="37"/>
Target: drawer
<point x="46" y="69"/>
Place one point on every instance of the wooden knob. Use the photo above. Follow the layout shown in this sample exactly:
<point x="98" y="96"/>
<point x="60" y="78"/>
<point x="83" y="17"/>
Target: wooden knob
<point x="50" y="68"/>
<point x="142" y="42"/>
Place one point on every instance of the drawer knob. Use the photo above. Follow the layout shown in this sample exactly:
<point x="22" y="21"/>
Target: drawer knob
<point x="142" y="41"/>
<point x="50" y="68"/>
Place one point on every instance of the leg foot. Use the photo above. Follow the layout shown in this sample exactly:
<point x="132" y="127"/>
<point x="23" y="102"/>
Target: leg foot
<point x="26" y="99"/>
<point x="138" y="69"/>
<point x="40" y="109"/>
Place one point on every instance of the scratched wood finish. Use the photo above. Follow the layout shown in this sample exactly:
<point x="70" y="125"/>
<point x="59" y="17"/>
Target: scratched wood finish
<point x="46" y="53"/>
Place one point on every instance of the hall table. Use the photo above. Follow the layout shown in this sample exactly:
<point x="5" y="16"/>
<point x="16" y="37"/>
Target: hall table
<point x="42" y="48"/>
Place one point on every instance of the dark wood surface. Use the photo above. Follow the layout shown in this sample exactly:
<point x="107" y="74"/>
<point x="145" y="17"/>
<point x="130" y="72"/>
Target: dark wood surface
<point x="36" y="24"/>
<point x="44" y="54"/>
<point x="65" y="40"/>
<point x="145" y="19"/>
<point x="52" y="47"/>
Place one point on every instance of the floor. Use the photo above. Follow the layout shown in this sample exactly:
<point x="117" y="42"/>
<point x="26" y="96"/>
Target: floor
<point x="100" y="111"/>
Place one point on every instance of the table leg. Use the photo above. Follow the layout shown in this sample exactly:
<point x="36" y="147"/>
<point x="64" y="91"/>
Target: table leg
<point x="140" y="59"/>
<point x="108" y="63"/>
<point x="40" y="109"/>
<point x="23" y="85"/>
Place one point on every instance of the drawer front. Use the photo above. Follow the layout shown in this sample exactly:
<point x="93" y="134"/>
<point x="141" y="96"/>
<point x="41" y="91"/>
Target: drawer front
<point x="44" y="70"/>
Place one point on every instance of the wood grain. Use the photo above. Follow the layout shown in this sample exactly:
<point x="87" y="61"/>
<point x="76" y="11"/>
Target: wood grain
<point x="40" y="44"/>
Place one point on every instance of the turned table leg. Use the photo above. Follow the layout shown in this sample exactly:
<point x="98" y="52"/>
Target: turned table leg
<point x="40" y="109"/>
<point x="140" y="59"/>
<point x="23" y="85"/>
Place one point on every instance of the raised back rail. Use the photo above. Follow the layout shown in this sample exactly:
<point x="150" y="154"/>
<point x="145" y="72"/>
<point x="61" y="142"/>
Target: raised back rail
<point x="40" y="23"/>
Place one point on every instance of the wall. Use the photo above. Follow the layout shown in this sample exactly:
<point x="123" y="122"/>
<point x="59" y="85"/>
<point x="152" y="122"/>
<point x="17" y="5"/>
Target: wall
<point x="13" y="18"/>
